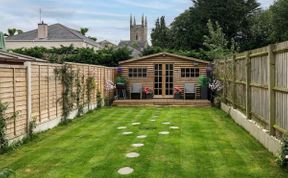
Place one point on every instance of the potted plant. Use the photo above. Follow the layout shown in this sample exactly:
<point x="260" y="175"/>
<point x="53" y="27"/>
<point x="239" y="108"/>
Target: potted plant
<point x="215" y="87"/>
<point x="148" y="93"/>
<point x="203" y="82"/>
<point x="120" y="80"/>
<point x="178" y="92"/>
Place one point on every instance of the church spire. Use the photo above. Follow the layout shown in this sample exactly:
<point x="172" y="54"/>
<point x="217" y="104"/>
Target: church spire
<point x="146" y="24"/>
<point x="130" y="19"/>
<point x="134" y="21"/>
<point x="143" y="20"/>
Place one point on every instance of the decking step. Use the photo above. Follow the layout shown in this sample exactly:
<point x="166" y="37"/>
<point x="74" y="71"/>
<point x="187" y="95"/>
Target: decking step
<point x="162" y="102"/>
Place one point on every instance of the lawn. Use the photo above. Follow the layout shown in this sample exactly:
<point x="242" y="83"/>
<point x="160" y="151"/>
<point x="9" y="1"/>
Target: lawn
<point x="207" y="144"/>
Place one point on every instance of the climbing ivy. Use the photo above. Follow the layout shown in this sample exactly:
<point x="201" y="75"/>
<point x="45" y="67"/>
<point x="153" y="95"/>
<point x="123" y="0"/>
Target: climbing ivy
<point x="66" y="75"/>
<point x="3" y="140"/>
<point x="99" y="99"/>
<point x="79" y="80"/>
<point x="90" y="86"/>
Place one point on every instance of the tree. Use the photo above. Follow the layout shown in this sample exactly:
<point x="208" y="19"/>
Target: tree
<point x="160" y="35"/>
<point x="83" y="31"/>
<point x="216" y="42"/>
<point x="233" y="16"/>
<point x="13" y="31"/>
<point x="280" y="20"/>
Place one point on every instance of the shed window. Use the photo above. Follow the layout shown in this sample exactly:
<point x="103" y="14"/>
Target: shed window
<point x="137" y="72"/>
<point x="190" y="72"/>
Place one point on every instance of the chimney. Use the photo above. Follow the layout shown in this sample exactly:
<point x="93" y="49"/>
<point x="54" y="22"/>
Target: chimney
<point x="42" y="31"/>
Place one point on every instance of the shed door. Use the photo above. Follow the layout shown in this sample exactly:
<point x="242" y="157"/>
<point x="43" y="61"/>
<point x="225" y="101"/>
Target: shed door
<point x="163" y="80"/>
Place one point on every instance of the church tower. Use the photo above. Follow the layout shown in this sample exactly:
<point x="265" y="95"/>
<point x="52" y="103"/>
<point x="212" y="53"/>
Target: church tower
<point x="138" y="33"/>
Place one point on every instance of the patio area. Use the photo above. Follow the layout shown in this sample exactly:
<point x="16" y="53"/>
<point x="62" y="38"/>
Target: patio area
<point x="152" y="141"/>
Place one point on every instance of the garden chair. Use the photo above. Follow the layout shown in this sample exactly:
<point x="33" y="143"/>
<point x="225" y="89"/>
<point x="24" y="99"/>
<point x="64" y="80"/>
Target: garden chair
<point x="189" y="88"/>
<point x="136" y="88"/>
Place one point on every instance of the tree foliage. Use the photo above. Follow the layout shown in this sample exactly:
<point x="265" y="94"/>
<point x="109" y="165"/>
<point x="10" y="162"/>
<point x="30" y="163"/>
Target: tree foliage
<point x="280" y="20"/>
<point x="13" y="31"/>
<point x="108" y="56"/>
<point x="216" y="42"/>
<point x="160" y="36"/>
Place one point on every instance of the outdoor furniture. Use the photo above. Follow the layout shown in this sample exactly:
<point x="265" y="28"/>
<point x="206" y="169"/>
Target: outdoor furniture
<point x="189" y="88"/>
<point x="136" y="88"/>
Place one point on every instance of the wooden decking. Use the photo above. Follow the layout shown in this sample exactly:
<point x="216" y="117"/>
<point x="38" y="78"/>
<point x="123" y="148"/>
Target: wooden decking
<point x="162" y="102"/>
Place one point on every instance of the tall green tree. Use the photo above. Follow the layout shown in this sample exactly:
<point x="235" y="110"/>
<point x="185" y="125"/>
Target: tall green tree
<point x="280" y="20"/>
<point x="160" y="36"/>
<point x="216" y="42"/>
<point x="233" y="16"/>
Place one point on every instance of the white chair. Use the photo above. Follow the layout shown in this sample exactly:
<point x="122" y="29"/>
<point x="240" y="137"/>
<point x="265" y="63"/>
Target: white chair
<point x="189" y="88"/>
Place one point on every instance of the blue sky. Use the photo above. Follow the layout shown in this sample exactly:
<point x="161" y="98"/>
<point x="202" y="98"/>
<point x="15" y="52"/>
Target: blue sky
<point x="106" y="19"/>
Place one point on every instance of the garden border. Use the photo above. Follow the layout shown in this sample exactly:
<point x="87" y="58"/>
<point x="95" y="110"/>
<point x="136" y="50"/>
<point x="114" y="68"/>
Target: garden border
<point x="271" y="143"/>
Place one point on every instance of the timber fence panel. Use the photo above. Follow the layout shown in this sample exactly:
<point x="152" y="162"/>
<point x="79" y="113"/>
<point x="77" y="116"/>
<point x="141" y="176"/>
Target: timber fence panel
<point x="266" y="88"/>
<point x="34" y="93"/>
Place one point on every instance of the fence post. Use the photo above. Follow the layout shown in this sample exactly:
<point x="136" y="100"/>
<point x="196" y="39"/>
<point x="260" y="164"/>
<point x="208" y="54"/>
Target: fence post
<point x="248" y="87"/>
<point x="225" y="80"/>
<point x="29" y="95"/>
<point x="271" y="85"/>
<point x="234" y="81"/>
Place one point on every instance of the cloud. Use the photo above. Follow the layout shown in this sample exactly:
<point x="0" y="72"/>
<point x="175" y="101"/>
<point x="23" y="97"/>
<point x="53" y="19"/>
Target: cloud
<point x="146" y="4"/>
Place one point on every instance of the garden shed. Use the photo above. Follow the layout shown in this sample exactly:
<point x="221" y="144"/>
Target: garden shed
<point x="162" y="72"/>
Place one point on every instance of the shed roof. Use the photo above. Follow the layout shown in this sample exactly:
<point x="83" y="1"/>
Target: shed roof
<point x="164" y="54"/>
<point x="15" y="57"/>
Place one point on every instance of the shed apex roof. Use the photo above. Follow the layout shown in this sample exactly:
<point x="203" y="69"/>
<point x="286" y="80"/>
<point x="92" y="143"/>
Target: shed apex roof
<point x="164" y="54"/>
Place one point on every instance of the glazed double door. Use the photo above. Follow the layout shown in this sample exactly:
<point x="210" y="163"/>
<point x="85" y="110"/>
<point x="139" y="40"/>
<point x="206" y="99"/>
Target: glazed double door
<point x="163" y="80"/>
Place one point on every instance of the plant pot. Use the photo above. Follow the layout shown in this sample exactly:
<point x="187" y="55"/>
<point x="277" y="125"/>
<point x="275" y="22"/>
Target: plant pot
<point x="149" y="96"/>
<point x="177" y="96"/>
<point x="204" y="93"/>
<point x="120" y="85"/>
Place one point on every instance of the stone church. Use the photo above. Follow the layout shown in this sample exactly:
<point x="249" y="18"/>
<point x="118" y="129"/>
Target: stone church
<point x="138" y="36"/>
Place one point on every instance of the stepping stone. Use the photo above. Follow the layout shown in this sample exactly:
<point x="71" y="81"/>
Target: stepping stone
<point x="152" y="120"/>
<point x="127" y="133"/>
<point x="132" y="155"/>
<point x="174" y="127"/>
<point x="137" y="145"/>
<point x="166" y="123"/>
<point x="155" y="116"/>
<point x="121" y="128"/>
<point x="164" y="133"/>
<point x="136" y="123"/>
<point x="125" y="170"/>
<point x="142" y="136"/>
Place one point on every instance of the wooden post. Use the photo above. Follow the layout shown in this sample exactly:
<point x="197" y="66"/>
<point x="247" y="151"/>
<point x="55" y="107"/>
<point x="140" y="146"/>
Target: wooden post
<point x="234" y="81"/>
<point x="14" y="101"/>
<point x="271" y="85"/>
<point x="48" y="91"/>
<point x="39" y="90"/>
<point x="248" y="88"/>
<point x="225" y="81"/>
<point x="29" y="95"/>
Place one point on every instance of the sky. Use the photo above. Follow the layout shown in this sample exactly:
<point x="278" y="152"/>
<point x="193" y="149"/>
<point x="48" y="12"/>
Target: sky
<point x="106" y="19"/>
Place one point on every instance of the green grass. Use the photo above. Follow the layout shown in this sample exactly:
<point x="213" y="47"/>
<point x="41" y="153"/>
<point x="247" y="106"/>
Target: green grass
<point x="208" y="144"/>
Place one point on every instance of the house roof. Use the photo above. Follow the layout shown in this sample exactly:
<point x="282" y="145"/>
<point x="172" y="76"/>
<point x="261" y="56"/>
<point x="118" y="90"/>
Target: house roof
<point x="164" y="54"/>
<point x="56" y="32"/>
<point x="15" y="57"/>
<point x="105" y="43"/>
<point x="139" y="45"/>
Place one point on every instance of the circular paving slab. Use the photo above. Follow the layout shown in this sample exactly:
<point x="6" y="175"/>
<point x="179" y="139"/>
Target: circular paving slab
<point x="122" y="127"/>
<point x="164" y="133"/>
<point x="137" y="145"/>
<point x="136" y="123"/>
<point x="132" y="155"/>
<point x="152" y="120"/>
<point x="166" y="123"/>
<point x="125" y="170"/>
<point x="141" y="136"/>
<point x="174" y="127"/>
<point x="127" y="133"/>
<point x="155" y="116"/>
